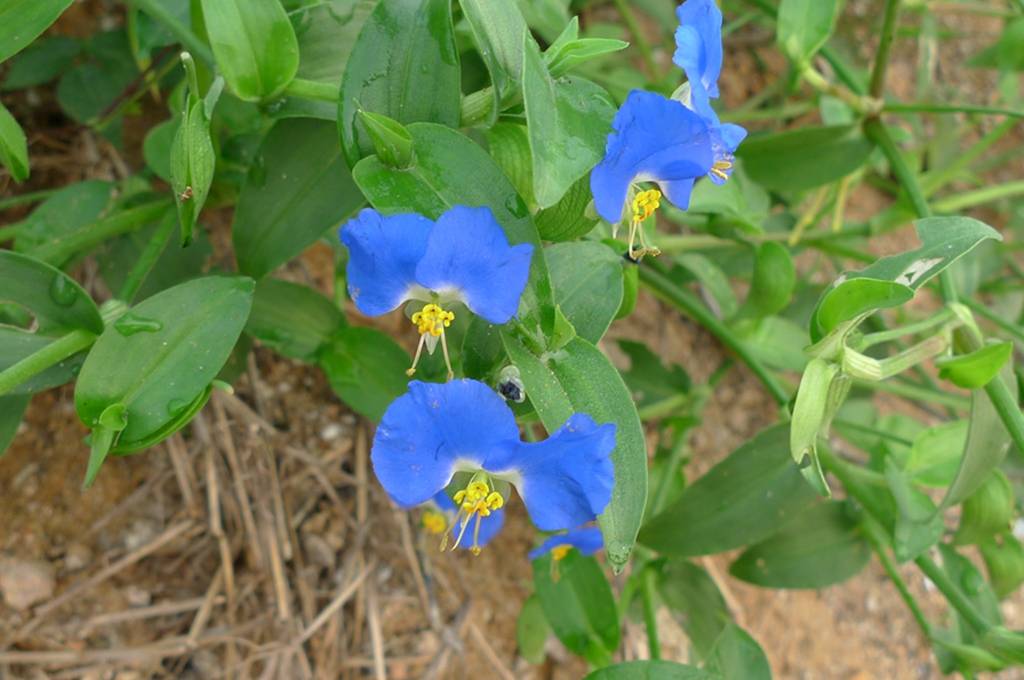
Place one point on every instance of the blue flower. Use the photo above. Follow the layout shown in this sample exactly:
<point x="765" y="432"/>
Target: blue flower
<point x="699" y="51"/>
<point x="587" y="540"/>
<point x="462" y="257"/>
<point x="461" y="436"/>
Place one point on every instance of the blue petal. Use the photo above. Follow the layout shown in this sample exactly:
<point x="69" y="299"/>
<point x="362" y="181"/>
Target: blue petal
<point x="587" y="540"/>
<point x="383" y="253"/>
<point x="468" y="257"/>
<point x="566" y="480"/>
<point x="699" y="50"/>
<point x="433" y="428"/>
<point x="489" y="526"/>
<point x="653" y="139"/>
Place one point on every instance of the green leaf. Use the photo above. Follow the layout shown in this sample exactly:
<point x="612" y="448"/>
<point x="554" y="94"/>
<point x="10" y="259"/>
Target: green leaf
<point x="651" y="670"/>
<point x="570" y="218"/>
<point x="1004" y="560"/>
<point x="935" y="455"/>
<point x="810" y="411"/>
<point x="712" y="278"/>
<point x="327" y="32"/>
<point x="191" y="164"/>
<point x="892" y="280"/>
<point x="579" y="378"/>
<point x="691" y="595"/>
<point x="174" y="266"/>
<point x="737" y="656"/>
<point x="972" y="584"/>
<point x="649" y="380"/>
<point x="21" y="22"/>
<point x="71" y="208"/>
<point x="578" y="603"/>
<point x="574" y="53"/>
<point x="509" y="146"/>
<point x="88" y="90"/>
<point x="156" y="148"/>
<point x="739" y="202"/>
<point x="917" y="526"/>
<point x="405" y="66"/>
<point x="159" y="359"/>
<point x="449" y="170"/>
<point x="17" y="344"/>
<point x="499" y="32"/>
<point x="747" y="497"/>
<point x="977" y="369"/>
<point x="391" y="141"/>
<point x="12" y="409"/>
<point x="13" y="146"/>
<point x="532" y="629"/>
<point x="806" y="157"/>
<point x="986" y="512"/>
<point x="986" y="447"/>
<point x="804" y="26"/>
<point x="56" y="301"/>
<point x="366" y="368"/>
<point x="818" y="548"/>
<point x="254" y="44"/>
<point x="771" y="287"/>
<point x="568" y="121"/>
<point x="298" y="188"/>
<point x="586" y="278"/>
<point x="292" y="319"/>
<point x="42" y="62"/>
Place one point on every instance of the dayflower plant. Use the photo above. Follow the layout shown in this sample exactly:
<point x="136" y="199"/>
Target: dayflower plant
<point x="463" y="257"/>
<point x="587" y="540"/>
<point x="668" y="142"/>
<point x="461" y="438"/>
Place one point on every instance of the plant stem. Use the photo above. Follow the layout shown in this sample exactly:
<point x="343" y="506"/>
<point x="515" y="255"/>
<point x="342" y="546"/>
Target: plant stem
<point x="57" y="351"/>
<point x="152" y="252"/>
<point x="916" y="393"/>
<point x="687" y="303"/>
<point x="875" y="535"/>
<point x="873" y="431"/>
<point x="872" y="339"/>
<point x="61" y="249"/>
<point x="638" y="37"/>
<point x="970" y="199"/>
<point x="925" y="107"/>
<point x="933" y="181"/>
<point x="30" y="197"/>
<point x="476" y="107"/>
<point x="650" y="613"/>
<point x="984" y="312"/>
<point x="312" y="89"/>
<point x="889" y="21"/>
<point x="185" y="36"/>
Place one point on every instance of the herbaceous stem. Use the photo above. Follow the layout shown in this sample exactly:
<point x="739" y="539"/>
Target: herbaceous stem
<point x="34" y="364"/>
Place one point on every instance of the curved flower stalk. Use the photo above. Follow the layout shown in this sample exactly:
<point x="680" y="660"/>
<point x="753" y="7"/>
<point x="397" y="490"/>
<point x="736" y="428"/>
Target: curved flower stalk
<point x="668" y="142"/>
<point x="463" y="257"/>
<point x="461" y="438"/>
<point x="587" y="540"/>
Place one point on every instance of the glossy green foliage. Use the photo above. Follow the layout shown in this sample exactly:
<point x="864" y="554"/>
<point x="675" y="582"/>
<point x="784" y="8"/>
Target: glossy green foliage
<point x="21" y="21"/>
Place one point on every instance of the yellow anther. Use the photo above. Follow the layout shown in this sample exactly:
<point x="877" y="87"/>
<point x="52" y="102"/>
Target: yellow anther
<point x="432" y="319"/>
<point x="645" y="203"/>
<point x="477" y="500"/>
<point x="559" y="552"/>
<point x="720" y="168"/>
<point x="495" y="501"/>
<point x="434" y="522"/>
<point x="430" y="323"/>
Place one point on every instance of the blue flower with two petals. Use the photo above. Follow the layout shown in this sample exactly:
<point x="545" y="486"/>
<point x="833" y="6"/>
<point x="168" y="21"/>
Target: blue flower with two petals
<point x="587" y="540"/>
<point x="462" y="437"/>
<point x="462" y="257"/>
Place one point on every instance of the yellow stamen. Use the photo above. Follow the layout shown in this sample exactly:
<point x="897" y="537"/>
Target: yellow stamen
<point x="430" y="323"/>
<point x="476" y="500"/>
<point x="720" y="167"/>
<point x="434" y="522"/>
<point x="560" y="551"/>
<point x="645" y="203"/>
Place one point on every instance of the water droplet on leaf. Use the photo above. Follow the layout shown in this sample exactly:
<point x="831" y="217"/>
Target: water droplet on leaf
<point x="131" y="323"/>
<point x="63" y="291"/>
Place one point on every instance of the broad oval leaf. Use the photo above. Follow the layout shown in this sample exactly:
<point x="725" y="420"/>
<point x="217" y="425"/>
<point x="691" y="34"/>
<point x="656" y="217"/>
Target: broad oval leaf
<point x="405" y="66"/>
<point x="254" y="44"/>
<point x="804" y="26"/>
<point x="579" y="605"/>
<point x="298" y="188"/>
<point x="21" y="22"/>
<point x="747" y="497"/>
<point x="586" y="277"/>
<point x="804" y="158"/>
<point x="532" y="628"/>
<point x="54" y="298"/>
<point x="449" y="169"/>
<point x="293" y="319"/>
<point x="737" y="656"/>
<point x="13" y="146"/>
<point x="773" y="281"/>
<point x="582" y="379"/>
<point x="366" y="368"/>
<point x="820" y="547"/>
<point x="693" y="596"/>
<point x="160" y="357"/>
<point x="652" y="670"/>
<point x="499" y="30"/>
<point x="327" y="32"/>
<point x="568" y="121"/>
<point x="978" y="368"/>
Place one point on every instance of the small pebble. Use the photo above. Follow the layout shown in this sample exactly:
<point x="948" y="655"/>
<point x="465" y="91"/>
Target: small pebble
<point x="77" y="557"/>
<point x="331" y="432"/>
<point x="26" y="582"/>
